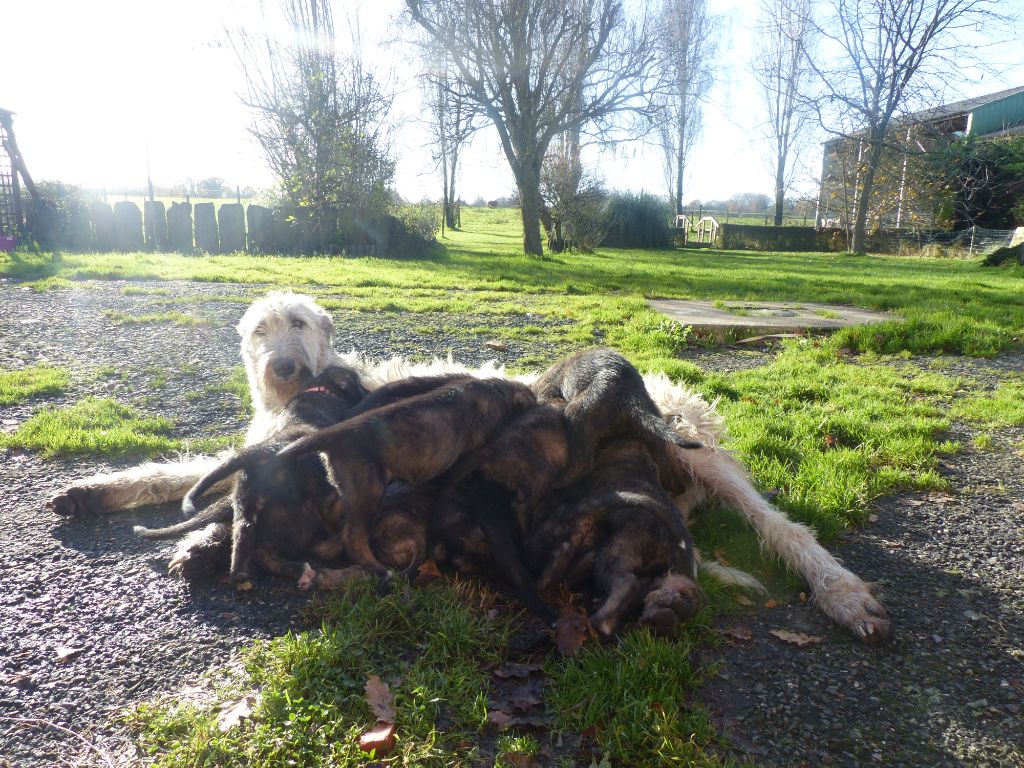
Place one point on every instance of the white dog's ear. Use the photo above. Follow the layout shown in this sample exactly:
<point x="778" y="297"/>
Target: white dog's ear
<point x="326" y="323"/>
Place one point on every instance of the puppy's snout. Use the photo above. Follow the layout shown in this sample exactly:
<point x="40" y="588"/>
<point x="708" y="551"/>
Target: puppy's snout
<point x="284" y="368"/>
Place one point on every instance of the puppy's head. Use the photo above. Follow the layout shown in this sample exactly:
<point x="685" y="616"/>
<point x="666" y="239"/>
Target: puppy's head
<point x="286" y="339"/>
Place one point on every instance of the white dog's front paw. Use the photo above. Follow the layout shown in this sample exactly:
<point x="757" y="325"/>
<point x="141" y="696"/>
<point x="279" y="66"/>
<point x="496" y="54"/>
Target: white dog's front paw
<point x="849" y="602"/>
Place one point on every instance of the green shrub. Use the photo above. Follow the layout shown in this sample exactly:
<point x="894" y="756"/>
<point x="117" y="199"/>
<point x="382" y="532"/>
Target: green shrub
<point x="421" y="220"/>
<point x="637" y="221"/>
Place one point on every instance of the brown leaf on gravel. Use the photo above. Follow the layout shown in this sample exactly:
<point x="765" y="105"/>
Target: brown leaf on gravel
<point x="498" y="346"/>
<point x="516" y="669"/>
<point x="738" y="632"/>
<point x="427" y="573"/>
<point x="910" y="502"/>
<point x="571" y="630"/>
<point x="796" y="638"/>
<point x="720" y="557"/>
<point x="772" y="604"/>
<point x="940" y="498"/>
<point x="234" y="712"/>
<point x="380" y="699"/>
<point x="380" y="739"/>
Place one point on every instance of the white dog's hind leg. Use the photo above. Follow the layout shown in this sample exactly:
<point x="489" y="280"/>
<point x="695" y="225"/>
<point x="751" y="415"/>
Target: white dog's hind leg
<point x="837" y="591"/>
<point x="150" y="483"/>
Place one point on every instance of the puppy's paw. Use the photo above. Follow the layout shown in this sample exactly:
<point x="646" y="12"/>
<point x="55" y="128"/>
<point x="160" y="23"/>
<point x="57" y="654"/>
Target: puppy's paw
<point x="308" y="578"/>
<point x="673" y="600"/>
<point x="77" y="501"/>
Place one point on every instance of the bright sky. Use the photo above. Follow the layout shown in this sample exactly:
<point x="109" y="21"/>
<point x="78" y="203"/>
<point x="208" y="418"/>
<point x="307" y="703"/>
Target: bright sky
<point x="99" y="86"/>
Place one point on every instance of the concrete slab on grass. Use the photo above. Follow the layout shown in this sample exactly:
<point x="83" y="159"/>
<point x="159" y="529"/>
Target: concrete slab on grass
<point x="737" y="319"/>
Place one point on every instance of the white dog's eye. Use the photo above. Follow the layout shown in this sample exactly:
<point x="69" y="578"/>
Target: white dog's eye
<point x="297" y="324"/>
<point x="259" y="330"/>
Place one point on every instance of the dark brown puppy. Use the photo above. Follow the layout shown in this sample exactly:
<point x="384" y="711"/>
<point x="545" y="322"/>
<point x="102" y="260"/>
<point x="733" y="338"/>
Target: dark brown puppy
<point x="604" y="397"/>
<point x="282" y="508"/>
<point x="414" y="440"/>
<point x="619" y="529"/>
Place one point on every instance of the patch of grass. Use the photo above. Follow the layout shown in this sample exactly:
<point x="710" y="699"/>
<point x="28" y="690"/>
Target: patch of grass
<point x="828" y="314"/>
<point x="432" y="646"/>
<point x="982" y="441"/>
<point x="236" y="383"/>
<point x="634" y="696"/>
<point x="16" y="386"/>
<point x="832" y="436"/>
<point x="948" y="305"/>
<point x="1002" y="407"/>
<point x="152" y="318"/>
<point x="95" y="426"/>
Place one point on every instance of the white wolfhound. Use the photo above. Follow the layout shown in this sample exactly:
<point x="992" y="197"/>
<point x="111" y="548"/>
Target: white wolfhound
<point x="286" y="338"/>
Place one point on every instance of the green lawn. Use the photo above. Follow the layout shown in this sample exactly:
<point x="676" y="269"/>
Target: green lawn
<point x="829" y="431"/>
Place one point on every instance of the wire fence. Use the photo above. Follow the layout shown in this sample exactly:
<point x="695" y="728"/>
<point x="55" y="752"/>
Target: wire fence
<point x="966" y="242"/>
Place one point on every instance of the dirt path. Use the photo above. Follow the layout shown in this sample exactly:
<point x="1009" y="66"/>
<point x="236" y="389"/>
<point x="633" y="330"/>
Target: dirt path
<point x="89" y="622"/>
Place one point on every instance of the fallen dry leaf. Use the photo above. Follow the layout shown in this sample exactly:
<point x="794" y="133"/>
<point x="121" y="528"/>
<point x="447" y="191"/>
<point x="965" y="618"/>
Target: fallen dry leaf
<point x="498" y="346"/>
<point x="737" y="632"/>
<point x="796" y="638"/>
<point x="940" y="498"/>
<point x="772" y="604"/>
<point x="720" y="557"/>
<point x="744" y="600"/>
<point x="803" y="597"/>
<point x="525" y="696"/>
<point x="872" y="518"/>
<point x="427" y="573"/>
<point x="380" y="699"/>
<point x="571" y="630"/>
<point x="516" y="669"/>
<point x="380" y="739"/>
<point x="499" y="718"/>
<point x="910" y="502"/>
<point x="234" y="712"/>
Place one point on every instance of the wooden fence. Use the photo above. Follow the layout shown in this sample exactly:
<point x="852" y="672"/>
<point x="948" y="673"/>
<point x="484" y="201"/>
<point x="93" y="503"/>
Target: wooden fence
<point x="203" y="228"/>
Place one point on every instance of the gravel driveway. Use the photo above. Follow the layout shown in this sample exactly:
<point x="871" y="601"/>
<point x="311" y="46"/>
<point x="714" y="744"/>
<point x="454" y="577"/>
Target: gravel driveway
<point x="89" y="623"/>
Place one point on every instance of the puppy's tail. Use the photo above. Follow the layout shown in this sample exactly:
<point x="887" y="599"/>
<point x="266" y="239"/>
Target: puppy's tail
<point x="657" y="427"/>
<point x="241" y="460"/>
<point x="214" y="513"/>
<point x="317" y="441"/>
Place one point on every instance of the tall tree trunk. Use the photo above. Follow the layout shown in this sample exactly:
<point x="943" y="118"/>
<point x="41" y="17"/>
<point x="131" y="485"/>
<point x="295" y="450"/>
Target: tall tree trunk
<point x="860" y="221"/>
<point x="780" y="190"/>
<point x="528" y="182"/>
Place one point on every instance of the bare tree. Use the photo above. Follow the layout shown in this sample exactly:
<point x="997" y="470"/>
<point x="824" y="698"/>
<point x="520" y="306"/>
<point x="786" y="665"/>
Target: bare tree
<point x="782" y="70"/>
<point x="453" y="119"/>
<point x="319" y="117"/>
<point x="687" y="46"/>
<point x="538" y="68"/>
<point x="890" y="50"/>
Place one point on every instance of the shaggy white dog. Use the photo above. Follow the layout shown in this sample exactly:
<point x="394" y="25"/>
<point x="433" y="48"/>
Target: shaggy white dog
<point x="286" y="338"/>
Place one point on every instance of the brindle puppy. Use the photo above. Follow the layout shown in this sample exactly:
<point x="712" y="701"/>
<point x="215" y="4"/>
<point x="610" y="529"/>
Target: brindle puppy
<point x="283" y="509"/>
<point x="619" y="529"/>
<point x="604" y="397"/>
<point x="293" y="501"/>
<point x="415" y="440"/>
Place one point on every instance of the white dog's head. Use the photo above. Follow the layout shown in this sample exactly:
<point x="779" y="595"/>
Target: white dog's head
<point x="286" y="338"/>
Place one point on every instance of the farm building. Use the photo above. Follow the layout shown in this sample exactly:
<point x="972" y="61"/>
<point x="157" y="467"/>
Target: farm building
<point x="919" y="178"/>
